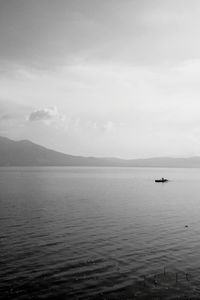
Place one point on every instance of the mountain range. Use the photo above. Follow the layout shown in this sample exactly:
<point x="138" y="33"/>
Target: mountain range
<point x="26" y="153"/>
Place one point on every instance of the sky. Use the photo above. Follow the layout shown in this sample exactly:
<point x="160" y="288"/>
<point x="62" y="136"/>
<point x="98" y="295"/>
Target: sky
<point x="109" y="78"/>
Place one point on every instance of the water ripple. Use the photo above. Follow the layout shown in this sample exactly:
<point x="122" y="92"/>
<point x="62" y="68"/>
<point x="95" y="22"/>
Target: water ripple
<point x="98" y="234"/>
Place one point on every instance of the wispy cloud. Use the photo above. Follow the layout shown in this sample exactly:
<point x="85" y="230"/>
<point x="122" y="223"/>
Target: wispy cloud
<point x="46" y="115"/>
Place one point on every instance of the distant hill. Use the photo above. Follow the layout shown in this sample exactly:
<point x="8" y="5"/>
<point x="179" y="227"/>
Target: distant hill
<point x="26" y="153"/>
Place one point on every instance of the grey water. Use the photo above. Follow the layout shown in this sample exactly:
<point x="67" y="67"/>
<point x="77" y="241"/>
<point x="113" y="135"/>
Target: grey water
<point x="95" y="233"/>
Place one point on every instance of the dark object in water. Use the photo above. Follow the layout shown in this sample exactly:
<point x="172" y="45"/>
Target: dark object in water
<point x="161" y="180"/>
<point x="186" y="276"/>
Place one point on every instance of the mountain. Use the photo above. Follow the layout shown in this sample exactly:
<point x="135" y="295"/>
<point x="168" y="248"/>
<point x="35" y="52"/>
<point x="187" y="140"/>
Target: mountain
<point x="26" y="153"/>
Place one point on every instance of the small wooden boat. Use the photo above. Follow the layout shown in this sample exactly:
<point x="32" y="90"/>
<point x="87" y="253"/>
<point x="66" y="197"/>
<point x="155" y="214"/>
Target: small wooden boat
<point x="161" y="180"/>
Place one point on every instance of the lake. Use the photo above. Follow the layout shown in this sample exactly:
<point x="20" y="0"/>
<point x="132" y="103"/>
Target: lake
<point x="99" y="233"/>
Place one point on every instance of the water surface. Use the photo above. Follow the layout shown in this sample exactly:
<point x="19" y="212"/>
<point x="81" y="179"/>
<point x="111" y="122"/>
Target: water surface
<point x="99" y="233"/>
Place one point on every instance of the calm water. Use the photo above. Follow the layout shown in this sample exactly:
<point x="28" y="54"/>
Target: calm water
<point x="99" y="233"/>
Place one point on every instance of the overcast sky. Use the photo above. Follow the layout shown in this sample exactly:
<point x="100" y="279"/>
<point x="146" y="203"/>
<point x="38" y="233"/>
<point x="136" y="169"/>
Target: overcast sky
<point x="102" y="78"/>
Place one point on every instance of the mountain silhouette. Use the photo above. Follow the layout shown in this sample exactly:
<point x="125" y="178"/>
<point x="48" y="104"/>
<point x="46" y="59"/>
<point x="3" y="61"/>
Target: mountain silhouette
<point x="26" y="153"/>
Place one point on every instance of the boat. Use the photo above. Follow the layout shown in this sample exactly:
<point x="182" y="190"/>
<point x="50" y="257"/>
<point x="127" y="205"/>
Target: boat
<point x="161" y="180"/>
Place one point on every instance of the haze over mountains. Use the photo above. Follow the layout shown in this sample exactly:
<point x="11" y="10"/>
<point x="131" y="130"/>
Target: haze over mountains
<point x="26" y="153"/>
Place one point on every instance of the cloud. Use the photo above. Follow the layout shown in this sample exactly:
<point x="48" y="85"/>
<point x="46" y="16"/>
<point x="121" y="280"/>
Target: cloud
<point x="114" y="30"/>
<point x="90" y="126"/>
<point x="48" y="115"/>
